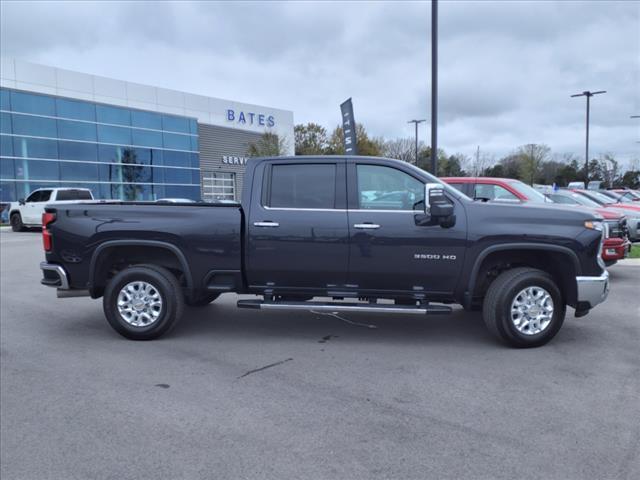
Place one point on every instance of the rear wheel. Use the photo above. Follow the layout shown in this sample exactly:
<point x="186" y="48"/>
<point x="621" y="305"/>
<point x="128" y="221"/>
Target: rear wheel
<point x="16" y="223"/>
<point x="143" y="302"/>
<point x="524" y="307"/>
<point x="202" y="300"/>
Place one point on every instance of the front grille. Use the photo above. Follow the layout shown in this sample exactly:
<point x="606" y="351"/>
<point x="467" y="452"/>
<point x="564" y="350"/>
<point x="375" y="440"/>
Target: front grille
<point x="617" y="229"/>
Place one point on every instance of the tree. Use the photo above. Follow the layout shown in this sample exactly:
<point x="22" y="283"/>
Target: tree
<point x="269" y="145"/>
<point x="531" y="157"/>
<point x="631" y="179"/>
<point x="401" y="149"/>
<point x="365" y="145"/>
<point x="310" y="139"/>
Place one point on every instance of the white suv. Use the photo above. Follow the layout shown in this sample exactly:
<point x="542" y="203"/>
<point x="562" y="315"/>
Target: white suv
<point x="28" y="213"/>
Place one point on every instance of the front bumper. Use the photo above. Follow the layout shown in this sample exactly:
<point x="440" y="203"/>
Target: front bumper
<point x="54" y="276"/>
<point x="593" y="290"/>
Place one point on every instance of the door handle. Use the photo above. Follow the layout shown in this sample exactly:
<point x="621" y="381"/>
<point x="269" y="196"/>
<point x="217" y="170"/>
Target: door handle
<point x="367" y="226"/>
<point x="266" y="224"/>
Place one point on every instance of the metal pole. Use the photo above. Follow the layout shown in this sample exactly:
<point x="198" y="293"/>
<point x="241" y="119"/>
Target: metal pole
<point x="434" y="87"/>
<point x="416" y="123"/>
<point x="586" y="149"/>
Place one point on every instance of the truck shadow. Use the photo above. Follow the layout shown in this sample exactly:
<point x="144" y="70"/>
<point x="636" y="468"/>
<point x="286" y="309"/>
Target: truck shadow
<point x="223" y="320"/>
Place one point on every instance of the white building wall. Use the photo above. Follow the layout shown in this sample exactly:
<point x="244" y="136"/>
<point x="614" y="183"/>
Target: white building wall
<point x="208" y="110"/>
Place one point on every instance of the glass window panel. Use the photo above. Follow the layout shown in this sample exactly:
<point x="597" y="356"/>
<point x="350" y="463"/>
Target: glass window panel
<point x="177" y="141"/>
<point x="76" y="130"/>
<point x="32" y="103"/>
<point x="385" y="188"/>
<point x="37" y="170"/>
<point x="5" y="99"/>
<point x="119" y="116"/>
<point x="6" y="146"/>
<point x="194" y="143"/>
<point x="146" y="119"/>
<point x="195" y="177"/>
<point x="142" y="156"/>
<point x="23" y="189"/>
<point x="5" y="123"/>
<point x="45" y="195"/>
<point x="111" y="153"/>
<point x="176" y="159"/>
<point x="36" y="126"/>
<point x="193" y="126"/>
<point x="173" y="191"/>
<point x="35" y="147"/>
<point x="136" y="174"/>
<point x="132" y="156"/>
<point x="177" y="175"/>
<point x="195" y="160"/>
<point x="109" y="173"/>
<point x="158" y="174"/>
<point x="111" y="191"/>
<point x="303" y="186"/>
<point x="109" y="134"/>
<point x="78" y="171"/>
<point x="146" y="138"/>
<point x="7" y="169"/>
<point x="8" y="192"/>
<point x="156" y="157"/>
<point x="76" y="109"/>
<point x="136" y="192"/>
<point x="493" y="192"/>
<point x="158" y="191"/>
<point x="175" y="124"/>
<point x="78" y="151"/>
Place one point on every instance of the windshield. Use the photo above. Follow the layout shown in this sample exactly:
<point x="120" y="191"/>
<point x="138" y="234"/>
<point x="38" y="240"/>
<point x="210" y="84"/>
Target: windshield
<point x="531" y="193"/>
<point x="601" y="197"/>
<point x="582" y="200"/>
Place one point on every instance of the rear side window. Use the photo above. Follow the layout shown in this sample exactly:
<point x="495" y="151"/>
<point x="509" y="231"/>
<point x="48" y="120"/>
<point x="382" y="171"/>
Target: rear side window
<point x="303" y="186"/>
<point x="73" y="195"/>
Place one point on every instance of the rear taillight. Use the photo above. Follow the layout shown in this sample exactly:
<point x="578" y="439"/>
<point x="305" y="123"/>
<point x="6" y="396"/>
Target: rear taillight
<point x="47" y="239"/>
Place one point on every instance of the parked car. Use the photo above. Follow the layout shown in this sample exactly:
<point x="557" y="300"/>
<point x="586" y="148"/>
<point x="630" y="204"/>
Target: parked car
<point x="492" y="188"/>
<point x="616" y="244"/>
<point x="28" y="213"/>
<point x="303" y="230"/>
<point x="627" y="193"/>
<point x="630" y="210"/>
<point x="618" y="197"/>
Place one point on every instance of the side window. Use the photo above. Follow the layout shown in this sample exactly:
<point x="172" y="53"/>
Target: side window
<point x="45" y="195"/>
<point x="563" y="199"/>
<point x="73" y="195"/>
<point x="385" y="188"/>
<point x="459" y="186"/>
<point x="493" y="192"/>
<point x="303" y="186"/>
<point x="34" y="197"/>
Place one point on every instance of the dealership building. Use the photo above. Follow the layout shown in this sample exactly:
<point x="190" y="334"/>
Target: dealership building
<point x="123" y="140"/>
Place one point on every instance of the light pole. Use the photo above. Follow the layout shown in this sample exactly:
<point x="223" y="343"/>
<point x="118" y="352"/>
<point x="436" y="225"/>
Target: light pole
<point x="434" y="87"/>
<point x="587" y="94"/>
<point x="416" y="122"/>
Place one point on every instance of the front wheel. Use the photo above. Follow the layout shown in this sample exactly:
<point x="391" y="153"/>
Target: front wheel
<point x="143" y="302"/>
<point x="16" y="223"/>
<point x="524" y="307"/>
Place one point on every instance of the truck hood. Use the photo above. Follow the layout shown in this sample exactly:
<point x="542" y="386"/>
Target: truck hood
<point x="532" y="213"/>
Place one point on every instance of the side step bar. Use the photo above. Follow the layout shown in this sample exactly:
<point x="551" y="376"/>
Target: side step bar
<point x="428" y="309"/>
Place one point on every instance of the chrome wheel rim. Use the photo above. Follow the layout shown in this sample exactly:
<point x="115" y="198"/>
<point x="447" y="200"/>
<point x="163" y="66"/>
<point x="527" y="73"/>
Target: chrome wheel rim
<point x="532" y="310"/>
<point x="139" y="304"/>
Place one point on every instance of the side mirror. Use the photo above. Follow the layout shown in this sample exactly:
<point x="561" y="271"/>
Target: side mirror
<point x="21" y="201"/>
<point x="438" y="209"/>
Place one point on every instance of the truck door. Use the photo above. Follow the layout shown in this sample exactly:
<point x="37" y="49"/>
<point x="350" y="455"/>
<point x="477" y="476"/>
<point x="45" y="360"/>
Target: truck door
<point x="34" y="206"/>
<point x="388" y="251"/>
<point x="298" y="232"/>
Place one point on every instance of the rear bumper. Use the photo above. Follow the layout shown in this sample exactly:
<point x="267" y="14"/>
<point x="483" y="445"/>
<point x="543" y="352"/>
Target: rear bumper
<point x="54" y="276"/>
<point x="593" y="290"/>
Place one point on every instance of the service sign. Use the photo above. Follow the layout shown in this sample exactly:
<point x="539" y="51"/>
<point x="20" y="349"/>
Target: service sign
<point x="234" y="160"/>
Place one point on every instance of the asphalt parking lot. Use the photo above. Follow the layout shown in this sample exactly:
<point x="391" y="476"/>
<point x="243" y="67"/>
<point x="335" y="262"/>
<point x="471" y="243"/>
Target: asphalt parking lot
<point x="414" y="398"/>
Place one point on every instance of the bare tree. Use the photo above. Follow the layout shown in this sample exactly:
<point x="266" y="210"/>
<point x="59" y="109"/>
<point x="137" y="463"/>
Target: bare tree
<point x="401" y="149"/>
<point x="531" y="157"/>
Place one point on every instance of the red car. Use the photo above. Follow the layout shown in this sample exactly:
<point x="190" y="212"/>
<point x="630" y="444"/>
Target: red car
<point x="616" y="245"/>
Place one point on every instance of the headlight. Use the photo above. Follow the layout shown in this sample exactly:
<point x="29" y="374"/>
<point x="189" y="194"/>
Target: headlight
<point x="597" y="225"/>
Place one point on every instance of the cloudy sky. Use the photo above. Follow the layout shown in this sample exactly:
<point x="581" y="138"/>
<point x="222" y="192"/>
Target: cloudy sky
<point x="506" y="68"/>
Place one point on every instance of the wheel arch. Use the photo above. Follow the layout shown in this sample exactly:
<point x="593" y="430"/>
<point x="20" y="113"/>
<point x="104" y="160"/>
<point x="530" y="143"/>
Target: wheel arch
<point x="559" y="261"/>
<point x="137" y="252"/>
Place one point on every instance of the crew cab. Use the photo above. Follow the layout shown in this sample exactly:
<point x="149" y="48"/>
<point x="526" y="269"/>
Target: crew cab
<point x="616" y="243"/>
<point x="327" y="227"/>
<point x="28" y="213"/>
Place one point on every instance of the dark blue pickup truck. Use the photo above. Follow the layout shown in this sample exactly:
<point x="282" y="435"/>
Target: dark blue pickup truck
<point x="365" y="234"/>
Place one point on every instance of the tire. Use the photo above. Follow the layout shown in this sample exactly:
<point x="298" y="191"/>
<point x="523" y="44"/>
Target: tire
<point x="202" y="300"/>
<point x="16" y="223"/>
<point x="514" y="329"/>
<point x="151" y="322"/>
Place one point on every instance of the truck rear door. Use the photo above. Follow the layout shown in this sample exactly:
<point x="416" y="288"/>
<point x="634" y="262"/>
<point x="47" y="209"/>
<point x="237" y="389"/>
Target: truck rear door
<point x="298" y="232"/>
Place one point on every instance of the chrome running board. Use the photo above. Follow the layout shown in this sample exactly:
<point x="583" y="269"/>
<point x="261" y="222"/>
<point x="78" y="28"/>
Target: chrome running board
<point x="428" y="309"/>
